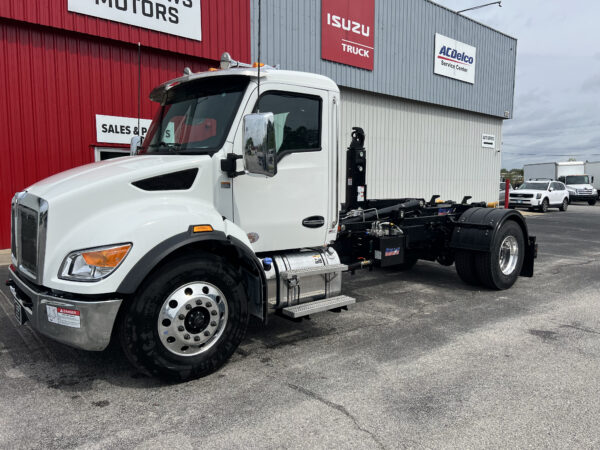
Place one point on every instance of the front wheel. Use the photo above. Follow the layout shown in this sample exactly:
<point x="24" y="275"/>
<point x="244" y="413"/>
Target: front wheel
<point x="592" y="202"/>
<point x="186" y="320"/>
<point x="499" y="268"/>
<point x="544" y="206"/>
<point x="564" y="205"/>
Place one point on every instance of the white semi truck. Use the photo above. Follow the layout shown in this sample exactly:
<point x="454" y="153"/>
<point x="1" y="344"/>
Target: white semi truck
<point x="572" y="173"/>
<point x="592" y="168"/>
<point x="231" y="208"/>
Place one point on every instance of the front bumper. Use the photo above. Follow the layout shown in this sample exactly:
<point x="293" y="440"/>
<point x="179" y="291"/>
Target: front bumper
<point x="82" y="324"/>
<point x="524" y="202"/>
<point x="582" y="198"/>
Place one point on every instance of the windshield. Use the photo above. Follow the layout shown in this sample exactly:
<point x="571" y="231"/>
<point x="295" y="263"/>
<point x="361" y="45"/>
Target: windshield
<point x="578" y="179"/>
<point x="536" y="186"/>
<point x="196" y="116"/>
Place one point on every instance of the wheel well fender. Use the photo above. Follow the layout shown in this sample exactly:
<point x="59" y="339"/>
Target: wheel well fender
<point x="213" y="242"/>
<point x="476" y="228"/>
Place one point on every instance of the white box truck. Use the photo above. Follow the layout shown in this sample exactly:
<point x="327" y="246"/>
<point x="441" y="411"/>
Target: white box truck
<point x="593" y="170"/>
<point x="571" y="173"/>
<point x="223" y="213"/>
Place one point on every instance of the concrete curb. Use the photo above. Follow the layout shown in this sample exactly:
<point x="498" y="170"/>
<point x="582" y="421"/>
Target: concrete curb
<point x="5" y="257"/>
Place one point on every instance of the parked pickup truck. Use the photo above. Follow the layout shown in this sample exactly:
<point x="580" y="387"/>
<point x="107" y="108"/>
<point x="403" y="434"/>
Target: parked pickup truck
<point x="223" y="213"/>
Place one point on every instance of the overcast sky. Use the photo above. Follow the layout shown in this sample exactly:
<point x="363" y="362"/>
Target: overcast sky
<point x="557" y="93"/>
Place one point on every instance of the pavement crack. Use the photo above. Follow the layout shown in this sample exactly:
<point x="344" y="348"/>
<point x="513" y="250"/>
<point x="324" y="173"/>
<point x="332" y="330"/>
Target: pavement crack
<point x="339" y="408"/>
<point x="580" y="328"/>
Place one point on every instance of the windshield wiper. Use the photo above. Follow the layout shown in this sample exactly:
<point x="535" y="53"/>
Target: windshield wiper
<point x="172" y="147"/>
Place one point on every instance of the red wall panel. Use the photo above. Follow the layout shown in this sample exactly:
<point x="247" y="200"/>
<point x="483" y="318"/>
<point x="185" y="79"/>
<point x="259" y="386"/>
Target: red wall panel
<point x="225" y="26"/>
<point x="52" y="84"/>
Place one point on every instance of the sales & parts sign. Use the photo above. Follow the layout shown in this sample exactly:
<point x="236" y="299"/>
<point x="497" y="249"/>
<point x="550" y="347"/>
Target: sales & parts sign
<point x="454" y="59"/>
<point x="120" y="130"/>
<point x="348" y="32"/>
<point x="177" y="17"/>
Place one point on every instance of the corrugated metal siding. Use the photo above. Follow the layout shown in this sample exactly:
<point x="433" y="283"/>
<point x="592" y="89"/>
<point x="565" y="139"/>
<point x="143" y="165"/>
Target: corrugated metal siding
<point x="225" y="26"/>
<point x="418" y="150"/>
<point x="53" y="85"/>
<point x="404" y="52"/>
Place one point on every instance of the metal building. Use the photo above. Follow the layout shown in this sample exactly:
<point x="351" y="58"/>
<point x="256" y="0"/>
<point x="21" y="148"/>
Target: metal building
<point x="436" y="134"/>
<point x="430" y="87"/>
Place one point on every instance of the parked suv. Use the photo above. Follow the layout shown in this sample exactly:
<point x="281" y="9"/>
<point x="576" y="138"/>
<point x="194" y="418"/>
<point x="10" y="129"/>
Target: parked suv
<point x="541" y="195"/>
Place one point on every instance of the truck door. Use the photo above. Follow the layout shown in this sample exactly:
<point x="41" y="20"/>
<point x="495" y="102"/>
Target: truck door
<point x="291" y="209"/>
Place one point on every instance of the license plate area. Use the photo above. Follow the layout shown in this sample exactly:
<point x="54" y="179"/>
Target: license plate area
<point x="19" y="312"/>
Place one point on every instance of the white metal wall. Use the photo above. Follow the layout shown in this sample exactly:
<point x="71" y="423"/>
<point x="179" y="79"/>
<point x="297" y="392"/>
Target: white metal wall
<point x="416" y="149"/>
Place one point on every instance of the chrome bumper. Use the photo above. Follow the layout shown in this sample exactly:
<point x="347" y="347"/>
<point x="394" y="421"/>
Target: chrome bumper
<point x="85" y="324"/>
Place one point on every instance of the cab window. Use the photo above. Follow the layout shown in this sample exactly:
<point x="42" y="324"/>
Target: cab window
<point x="297" y="121"/>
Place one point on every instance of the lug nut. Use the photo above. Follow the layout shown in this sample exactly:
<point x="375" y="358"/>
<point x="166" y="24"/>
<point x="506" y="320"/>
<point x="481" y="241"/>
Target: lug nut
<point x="196" y="338"/>
<point x="188" y="306"/>
<point x="208" y="304"/>
<point x="180" y="328"/>
<point x="213" y="312"/>
<point x="186" y="336"/>
<point x="198" y="302"/>
<point x="213" y="324"/>
<point x="181" y="317"/>
<point x="207" y="333"/>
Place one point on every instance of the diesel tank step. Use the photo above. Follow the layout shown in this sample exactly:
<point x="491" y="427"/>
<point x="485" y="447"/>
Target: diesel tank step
<point x="310" y="271"/>
<point x="317" y="306"/>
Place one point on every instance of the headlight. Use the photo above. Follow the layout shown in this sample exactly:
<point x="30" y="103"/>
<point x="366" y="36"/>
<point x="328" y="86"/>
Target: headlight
<point x="538" y="195"/>
<point x="571" y="191"/>
<point x="93" y="264"/>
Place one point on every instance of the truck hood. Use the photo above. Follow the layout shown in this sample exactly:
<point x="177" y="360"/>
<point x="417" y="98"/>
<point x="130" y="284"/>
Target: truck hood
<point x="526" y="191"/>
<point x="93" y="177"/>
<point x="580" y="186"/>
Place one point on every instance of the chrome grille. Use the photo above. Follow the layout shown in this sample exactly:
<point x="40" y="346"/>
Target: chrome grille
<point x="28" y="233"/>
<point x="29" y="215"/>
<point x="584" y="191"/>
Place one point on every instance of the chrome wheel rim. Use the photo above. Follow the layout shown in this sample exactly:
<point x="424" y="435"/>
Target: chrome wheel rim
<point x="192" y="318"/>
<point x="509" y="255"/>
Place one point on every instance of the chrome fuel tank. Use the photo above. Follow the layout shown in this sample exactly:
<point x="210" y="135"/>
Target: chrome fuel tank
<point x="306" y="275"/>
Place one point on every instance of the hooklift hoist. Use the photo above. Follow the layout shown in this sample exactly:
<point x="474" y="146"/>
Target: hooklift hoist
<point x="480" y="241"/>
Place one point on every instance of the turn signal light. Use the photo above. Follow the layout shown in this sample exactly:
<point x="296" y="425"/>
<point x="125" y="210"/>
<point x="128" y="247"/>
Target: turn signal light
<point x="202" y="228"/>
<point x="256" y="64"/>
<point x="110" y="257"/>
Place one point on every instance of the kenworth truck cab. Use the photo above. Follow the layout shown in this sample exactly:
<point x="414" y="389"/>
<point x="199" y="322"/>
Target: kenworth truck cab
<point x="231" y="207"/>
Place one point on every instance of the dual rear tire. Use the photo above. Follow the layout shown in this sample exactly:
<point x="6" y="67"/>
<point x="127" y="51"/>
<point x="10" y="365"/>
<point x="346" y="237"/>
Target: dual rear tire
<point x="499" y="268"/>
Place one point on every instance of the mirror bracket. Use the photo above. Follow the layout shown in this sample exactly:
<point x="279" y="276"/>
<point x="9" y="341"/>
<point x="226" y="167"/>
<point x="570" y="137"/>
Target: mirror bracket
<point x="228" y="165"/>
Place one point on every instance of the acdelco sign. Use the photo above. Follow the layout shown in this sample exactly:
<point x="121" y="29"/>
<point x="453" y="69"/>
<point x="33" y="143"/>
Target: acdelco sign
<point x="454" y="59"/>
<point x="347" y="34"/>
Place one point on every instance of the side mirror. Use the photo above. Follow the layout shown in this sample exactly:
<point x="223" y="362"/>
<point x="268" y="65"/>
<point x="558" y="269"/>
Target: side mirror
<point x="134" y="146"/>
<point x="592" y="179"/>
<point x="550" y="189"/>
<point x="260" y="153"/>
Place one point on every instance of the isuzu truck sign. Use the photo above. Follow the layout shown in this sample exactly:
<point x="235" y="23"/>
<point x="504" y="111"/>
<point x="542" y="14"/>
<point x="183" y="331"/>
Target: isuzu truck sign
<point x="177" y="17"/>
<point x="454" y="59"/>
<point x="347" y="32"/>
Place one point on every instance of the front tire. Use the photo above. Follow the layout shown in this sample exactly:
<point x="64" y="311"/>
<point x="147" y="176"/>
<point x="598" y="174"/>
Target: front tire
<point x="500" y="268"/>
<point x="544" y="206"/>
<point x="564" y="205"/>
<point x="186" y="319"/>
<point x="592" y="202"/>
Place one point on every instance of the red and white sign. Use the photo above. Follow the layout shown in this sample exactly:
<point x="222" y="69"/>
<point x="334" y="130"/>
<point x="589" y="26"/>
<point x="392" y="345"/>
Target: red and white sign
<point x="63" y="316"/>
<point x="348" y="32"/>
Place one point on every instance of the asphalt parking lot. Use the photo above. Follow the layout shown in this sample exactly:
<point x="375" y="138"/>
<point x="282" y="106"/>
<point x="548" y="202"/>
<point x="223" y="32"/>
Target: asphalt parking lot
<point x="421" y="361"/>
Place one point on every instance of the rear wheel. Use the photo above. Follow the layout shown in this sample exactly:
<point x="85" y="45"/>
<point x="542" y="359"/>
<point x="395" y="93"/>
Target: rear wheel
<point x="186" y="320"/>
<point x="465" y="262"/>
<point x="564" y="205"/>
<point x="500" y="268"/>
<point x="544" y="205"/>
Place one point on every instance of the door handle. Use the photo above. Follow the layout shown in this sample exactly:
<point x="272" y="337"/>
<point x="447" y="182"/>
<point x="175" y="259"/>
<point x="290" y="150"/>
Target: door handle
<point x="314" y="222"/>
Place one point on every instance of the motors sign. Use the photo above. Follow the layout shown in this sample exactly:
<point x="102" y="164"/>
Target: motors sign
<point x="347" y="32"/>
<point x="177" y="17"/>
<point x="454" y="59"/>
